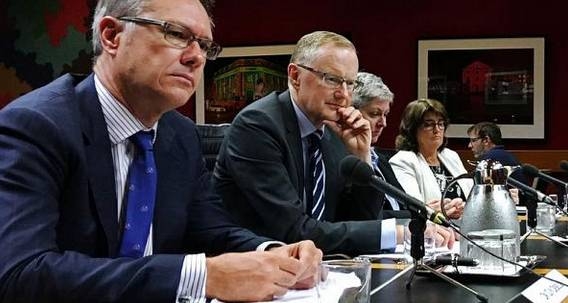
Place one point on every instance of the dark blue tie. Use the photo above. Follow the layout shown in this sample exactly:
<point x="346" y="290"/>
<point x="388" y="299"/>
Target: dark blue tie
<point x="141" y="194"/>
<point x="317" y="174"/>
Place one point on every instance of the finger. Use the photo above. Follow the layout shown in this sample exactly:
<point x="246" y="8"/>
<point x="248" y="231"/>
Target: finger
<point x="290" y="265"/>
<point x="278" y="291"/>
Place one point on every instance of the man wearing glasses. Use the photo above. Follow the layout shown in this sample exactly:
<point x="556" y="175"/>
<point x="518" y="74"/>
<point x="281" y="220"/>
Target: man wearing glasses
<point x="278" y="167"/>
<point x="104" y="194"/>
<point x="485" y="142"/>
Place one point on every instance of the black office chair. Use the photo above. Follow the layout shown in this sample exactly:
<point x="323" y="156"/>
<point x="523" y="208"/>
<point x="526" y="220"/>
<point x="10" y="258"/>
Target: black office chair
<point x="211" y="138"/>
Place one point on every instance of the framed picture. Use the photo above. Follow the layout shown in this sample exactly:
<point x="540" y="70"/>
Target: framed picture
<point x="239" y="76"/>
<point x="498" y="80"/>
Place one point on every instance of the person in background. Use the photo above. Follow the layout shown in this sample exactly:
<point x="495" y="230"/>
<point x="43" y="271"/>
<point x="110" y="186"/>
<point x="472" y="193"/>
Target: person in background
<point x="424" y="166"/>
<point x="104" y="194"/>
<point x="485" y="143"/>
<point x="373" y="98"/>
<point x="277" y="168"/>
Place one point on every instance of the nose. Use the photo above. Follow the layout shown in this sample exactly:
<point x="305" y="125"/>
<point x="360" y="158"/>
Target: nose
<point x="192" y="55"/>
<point x="342" y="91"/>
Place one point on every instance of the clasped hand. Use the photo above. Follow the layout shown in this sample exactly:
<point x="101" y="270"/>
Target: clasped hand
<point x="354" y="131"/>
<point x="263" y="275"/>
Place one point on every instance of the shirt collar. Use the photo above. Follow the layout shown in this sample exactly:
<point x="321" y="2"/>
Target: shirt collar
<point x="121" y="123"/>
<point x="305" y="125"/>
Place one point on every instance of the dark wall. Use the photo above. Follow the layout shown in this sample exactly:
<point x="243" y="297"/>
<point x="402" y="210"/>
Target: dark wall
<point x="386" y="35"/>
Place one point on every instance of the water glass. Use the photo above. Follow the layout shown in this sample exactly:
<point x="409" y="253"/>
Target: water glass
<point x="429" y="240"/>
<point x="545" y="218"/>
<point x="345" y="281"/>
<point x="501" y="242"/>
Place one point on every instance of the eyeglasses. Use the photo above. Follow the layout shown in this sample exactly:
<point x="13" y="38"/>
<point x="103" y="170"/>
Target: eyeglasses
<point x="429" y="125"/>
<point x="473" y="140"/>
<point x="333" y="81"/>
<point x="180" y="36"/>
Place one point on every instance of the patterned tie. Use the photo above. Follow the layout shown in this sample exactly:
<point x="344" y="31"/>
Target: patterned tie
<point x="141" y="193"/>
<point x="317" y="174"/>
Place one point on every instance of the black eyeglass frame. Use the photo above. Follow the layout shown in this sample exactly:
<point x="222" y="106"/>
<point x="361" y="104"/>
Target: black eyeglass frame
<point x="210" y="48"/>
<point x="441" y="124"/>
<point x="332" y="79"/>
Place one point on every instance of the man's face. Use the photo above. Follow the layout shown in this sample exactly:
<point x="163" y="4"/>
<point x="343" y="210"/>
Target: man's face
<point x="376" y="112"/>
<point x="151" y="73"/>
<point x="476" y="144"/>
<point x="317" y="98"/>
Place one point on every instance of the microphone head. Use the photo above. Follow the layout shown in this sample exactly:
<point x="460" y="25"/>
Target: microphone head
<point x="355" y="170"/>
<point x="564" y="165"/>
<point x="530" y="170"/>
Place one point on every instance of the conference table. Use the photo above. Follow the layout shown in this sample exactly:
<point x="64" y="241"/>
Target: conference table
<point x="427" y="287"/>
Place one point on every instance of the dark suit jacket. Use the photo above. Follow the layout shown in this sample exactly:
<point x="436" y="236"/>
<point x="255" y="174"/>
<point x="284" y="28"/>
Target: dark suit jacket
<point x="58" y="211"/>
<point x="260" y="175"/>
<point x="388" y="173"/>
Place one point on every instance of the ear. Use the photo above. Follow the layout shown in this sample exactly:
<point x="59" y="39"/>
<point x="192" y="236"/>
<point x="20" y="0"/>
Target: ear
<point x="110" y="29"/>
<point x="293" y="75"/>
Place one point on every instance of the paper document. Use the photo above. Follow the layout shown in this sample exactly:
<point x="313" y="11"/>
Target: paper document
<point x="327" y="291"/>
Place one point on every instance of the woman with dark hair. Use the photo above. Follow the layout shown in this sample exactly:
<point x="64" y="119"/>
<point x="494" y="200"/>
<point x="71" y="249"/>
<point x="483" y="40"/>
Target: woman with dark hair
<point x="424" y="166"/>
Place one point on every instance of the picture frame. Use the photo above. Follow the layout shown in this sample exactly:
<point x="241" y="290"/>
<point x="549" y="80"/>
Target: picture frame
<point x="239" y="76"/>
<point x="499" y="80"/>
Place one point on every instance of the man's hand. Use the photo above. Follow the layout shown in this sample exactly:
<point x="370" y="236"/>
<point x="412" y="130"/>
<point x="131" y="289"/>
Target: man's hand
<point x="354" y="131"/>
<point x="250" y="276"/>
<point x="260" y="276"/>
<point x="310" y="258"/>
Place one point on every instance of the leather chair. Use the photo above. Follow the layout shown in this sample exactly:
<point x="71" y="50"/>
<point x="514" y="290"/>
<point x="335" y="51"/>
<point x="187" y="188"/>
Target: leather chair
<point x="211" y="138"/>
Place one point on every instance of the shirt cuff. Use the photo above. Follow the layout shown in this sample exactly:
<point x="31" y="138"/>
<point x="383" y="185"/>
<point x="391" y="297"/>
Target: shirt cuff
<point x="268" y="245"/>
<point x="388" y="234"/>
<point x="191" y="288"/>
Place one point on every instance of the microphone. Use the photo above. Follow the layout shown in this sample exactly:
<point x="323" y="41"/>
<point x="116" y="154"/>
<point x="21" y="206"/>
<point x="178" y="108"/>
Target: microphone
<point x="533" y="193"/>
<point x="361" y="173"/>
<point x="564" y="165"/>
<point x="454" y="260"/>
<point x="532" y="171"/>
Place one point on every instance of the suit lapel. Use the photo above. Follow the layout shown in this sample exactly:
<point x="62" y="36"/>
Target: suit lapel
<point x="99" y="161"/>
<point x="293" y="136"/>
<point x="168" y="162"/>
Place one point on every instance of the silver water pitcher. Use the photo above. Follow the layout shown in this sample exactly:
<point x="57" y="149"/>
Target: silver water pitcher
<point x="490" y="216"/>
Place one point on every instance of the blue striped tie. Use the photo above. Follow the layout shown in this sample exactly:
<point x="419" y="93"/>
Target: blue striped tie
<point x="317" y="172"/>
<point x="141" y="194"/>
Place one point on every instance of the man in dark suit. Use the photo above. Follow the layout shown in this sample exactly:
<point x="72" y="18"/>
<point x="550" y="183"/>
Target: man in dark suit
<point x="64" y="164"/>
<point x="263" y="171"/>
<point x="373" y="98"/>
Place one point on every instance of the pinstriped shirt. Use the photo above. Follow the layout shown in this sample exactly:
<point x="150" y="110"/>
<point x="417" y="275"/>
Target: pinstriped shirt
<point x="121" y="124"/>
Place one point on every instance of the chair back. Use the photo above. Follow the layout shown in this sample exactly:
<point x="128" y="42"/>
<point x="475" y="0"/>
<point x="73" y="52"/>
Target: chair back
<point x="211" y="139"/>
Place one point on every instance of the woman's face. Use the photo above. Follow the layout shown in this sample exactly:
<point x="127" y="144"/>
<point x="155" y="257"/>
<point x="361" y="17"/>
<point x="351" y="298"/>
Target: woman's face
<point x="430" y="134"/>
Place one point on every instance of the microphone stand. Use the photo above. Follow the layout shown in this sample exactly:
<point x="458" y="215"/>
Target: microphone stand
<point x="417" y="226"/>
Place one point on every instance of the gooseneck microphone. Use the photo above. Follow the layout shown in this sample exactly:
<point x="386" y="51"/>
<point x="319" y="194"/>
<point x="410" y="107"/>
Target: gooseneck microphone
<point x="531" y="192"/>
<point x="361" y="173"/>
<point x="532" y="171"/>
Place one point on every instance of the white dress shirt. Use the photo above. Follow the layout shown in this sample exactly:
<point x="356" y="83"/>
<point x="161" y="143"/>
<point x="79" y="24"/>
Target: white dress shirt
<point x="121" y="124"/>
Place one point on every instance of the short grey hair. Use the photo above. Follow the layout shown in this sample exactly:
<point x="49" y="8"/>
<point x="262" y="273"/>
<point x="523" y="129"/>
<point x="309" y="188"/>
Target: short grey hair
<point x="371" y="87"/>
<point x="307" y="47"/>
<point x="121" y="8"/>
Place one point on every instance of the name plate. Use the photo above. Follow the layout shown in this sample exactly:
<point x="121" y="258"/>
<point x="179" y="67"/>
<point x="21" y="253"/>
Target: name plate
<point x="546" y="291"/>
